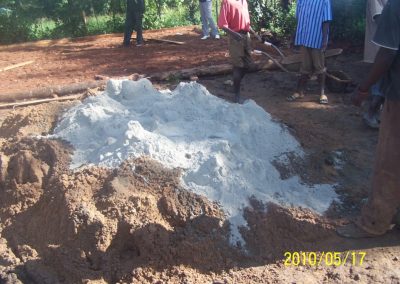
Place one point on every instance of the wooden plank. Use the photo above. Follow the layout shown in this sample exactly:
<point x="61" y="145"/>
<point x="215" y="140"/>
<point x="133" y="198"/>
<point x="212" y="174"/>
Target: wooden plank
<point x="167" y="41"/>
<point x="162" y="40"/>
<point x="32" y="102"/>
<point x="17" y="65"/>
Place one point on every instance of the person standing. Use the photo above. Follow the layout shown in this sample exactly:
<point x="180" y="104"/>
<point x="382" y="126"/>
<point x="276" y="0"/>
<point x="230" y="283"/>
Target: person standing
<point x="373" y="12"/>
<point x="313" y="18"/>
<point x="234" y="19"/>
<point x="384" y="199"/>
<point x="134" y="20"/>
<point x="207" y="20"/>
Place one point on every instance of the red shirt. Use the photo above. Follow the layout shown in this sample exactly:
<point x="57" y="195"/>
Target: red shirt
<point x="234" y="15"/>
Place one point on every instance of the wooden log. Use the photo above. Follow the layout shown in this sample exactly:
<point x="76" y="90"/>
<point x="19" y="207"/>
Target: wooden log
<point x="51" y="91"/>
<point x="17" y="65"/>
<point x="178" y="74"/>
<point x="133" y="77"/>
<point x="213" y="70"/>
<point x="33" y="102"/>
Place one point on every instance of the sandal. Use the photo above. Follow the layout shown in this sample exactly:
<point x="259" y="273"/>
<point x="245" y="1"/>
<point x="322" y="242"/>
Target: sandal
<point x="295" y="96"/>
<point x="323" y="100"/>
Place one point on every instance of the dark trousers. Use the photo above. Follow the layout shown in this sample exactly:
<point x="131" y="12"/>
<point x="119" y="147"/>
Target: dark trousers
<point x="384" y="199"/>
<point x="133" y="21"/>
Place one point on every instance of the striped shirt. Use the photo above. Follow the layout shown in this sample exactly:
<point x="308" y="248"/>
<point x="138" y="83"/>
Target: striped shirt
<point x="311" y="14"/>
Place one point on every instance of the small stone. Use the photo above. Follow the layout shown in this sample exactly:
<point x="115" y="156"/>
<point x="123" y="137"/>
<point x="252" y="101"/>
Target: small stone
<point x="228" y="83"/>
<point x="110" y="141"/>
<point x="329" y="161"/>
<point x="357" y="277"/>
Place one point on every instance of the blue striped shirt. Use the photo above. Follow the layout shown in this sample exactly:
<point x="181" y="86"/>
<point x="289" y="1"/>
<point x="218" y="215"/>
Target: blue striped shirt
<point x="310" y="15"/>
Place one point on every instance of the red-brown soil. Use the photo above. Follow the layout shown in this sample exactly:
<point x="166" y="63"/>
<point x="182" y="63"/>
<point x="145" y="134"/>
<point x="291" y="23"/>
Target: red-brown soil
<point x="135" y="224"/>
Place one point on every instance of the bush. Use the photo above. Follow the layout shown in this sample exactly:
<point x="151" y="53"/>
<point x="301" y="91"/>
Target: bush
<point x="38" y="19"/>
<point x="43" y="28"/>
<point x="271" y="16"/>
<point x="170" y="17"/>
<point x="348" y="20"/>
<point x="14" y="28"/>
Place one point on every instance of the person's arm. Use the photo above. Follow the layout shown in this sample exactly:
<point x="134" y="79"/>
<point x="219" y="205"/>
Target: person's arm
<point x="387" y="37"/>
<point x="326" y="19"/>
<point x="383" y="61"/>
<point x="325" y="31"/>
<point x="382" y="64"/>
<point x="235" y="35"/>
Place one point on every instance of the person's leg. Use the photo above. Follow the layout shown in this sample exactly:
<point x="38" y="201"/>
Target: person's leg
<point x="246" y="63"/>
<point x="139" y="27"/>
<point x="305" y="71"/>
<point x="208" y="11"/>
<point x="129" y="22"/>
<point x="238" y="74"/>
<point x="384" y="200"/>
<point x="318" y="59"/>
<point x="323" y="99"/>
<point x="237" y="53"/>
<point x="204" y="22"/>
<point x="301" y="84"/>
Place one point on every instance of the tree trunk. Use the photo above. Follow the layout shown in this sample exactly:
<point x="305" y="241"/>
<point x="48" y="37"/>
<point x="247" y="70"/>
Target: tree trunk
<point x="202" y="71"/>
<point x="51" y="91"/>
<point x="285" y="4"/>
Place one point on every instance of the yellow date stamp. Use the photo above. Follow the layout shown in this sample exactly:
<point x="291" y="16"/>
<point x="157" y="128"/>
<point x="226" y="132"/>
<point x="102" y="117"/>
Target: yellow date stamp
<point x="328" y="258"/>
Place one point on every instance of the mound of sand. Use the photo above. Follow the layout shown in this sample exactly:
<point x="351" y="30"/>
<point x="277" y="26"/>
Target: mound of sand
<point x="133" y="224"/>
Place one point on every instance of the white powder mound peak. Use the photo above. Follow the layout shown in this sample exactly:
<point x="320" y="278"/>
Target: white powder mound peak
<point x="225" y="150"/>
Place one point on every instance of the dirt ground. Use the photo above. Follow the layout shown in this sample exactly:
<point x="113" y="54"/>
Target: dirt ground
<point x="136" y="224"/>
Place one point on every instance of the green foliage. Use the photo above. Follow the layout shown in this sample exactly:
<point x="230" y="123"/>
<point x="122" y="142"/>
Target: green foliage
<point x="192" y="7"/>
<point x="272" y="16"/>
<point x="348" y="20"/>
<point x="14" y="28"/>
<point x="172" y="15"/>
<point x="15" y="25"/>
<point x="37" y="19"/>
<point x="43" y="28"/>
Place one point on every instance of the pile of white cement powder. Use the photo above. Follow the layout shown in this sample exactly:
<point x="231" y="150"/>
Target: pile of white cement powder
<point x="225" y="149"/>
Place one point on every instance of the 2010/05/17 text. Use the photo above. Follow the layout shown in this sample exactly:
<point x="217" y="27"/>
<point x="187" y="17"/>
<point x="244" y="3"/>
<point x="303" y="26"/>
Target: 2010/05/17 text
<point x="329" y="258"/>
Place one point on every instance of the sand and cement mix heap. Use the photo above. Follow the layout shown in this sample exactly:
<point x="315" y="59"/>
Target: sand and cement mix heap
<point x="135" y="180"/>
<point x="225" y="150"/>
